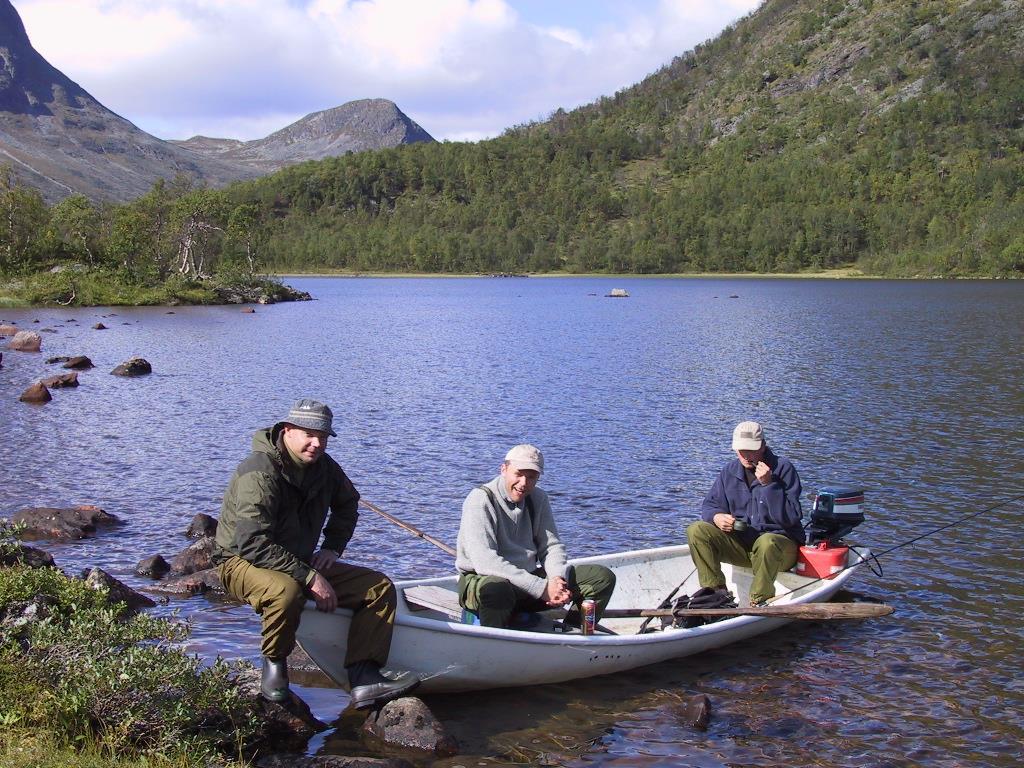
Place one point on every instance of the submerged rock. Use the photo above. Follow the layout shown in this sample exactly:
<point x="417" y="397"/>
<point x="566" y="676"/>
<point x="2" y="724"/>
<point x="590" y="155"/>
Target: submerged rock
<point x="69" y="524"/>
<point x="197" y="583"/>
<point x="37" y="393"/>
<point x="330" y="761"/>
<point x="61" y="380"/>
<point x="136" y="366"/>
<point x="78" y="362"/>
<point x="697" y="712"/>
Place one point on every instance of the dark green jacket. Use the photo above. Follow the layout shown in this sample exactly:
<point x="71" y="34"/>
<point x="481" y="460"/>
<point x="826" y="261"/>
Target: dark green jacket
<point x="273" y="521"/>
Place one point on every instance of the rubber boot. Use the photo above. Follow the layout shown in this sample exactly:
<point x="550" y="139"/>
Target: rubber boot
<point x="369" y="688"/>
<point x="274" y="685"/>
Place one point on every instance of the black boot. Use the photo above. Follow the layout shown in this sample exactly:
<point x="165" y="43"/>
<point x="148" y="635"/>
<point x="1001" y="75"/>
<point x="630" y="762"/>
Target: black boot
<point x="369" y="688"/>
<point x="274" y="686"/>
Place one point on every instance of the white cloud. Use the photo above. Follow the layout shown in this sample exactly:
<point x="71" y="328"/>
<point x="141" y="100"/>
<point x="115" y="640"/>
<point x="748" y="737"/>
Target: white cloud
<point x="463" y="69"/>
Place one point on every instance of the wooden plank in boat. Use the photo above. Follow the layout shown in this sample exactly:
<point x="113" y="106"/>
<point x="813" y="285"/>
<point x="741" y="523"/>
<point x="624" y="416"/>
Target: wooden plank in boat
<point x="433" y="598"/>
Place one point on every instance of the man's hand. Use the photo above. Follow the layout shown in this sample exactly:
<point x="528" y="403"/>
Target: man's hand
<point x="323" y="593"/>
<point x="724" y="522"/>
<point x="323" y="559"/>
<point x="763" y="473"/>
<point x="556" y="592"/>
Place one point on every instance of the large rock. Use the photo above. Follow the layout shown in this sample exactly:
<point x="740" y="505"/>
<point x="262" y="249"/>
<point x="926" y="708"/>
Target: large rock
<point x="71" y="523"/>
<point x="287" y="726"/>
<point x="22" y="554"/>
<point x="409" y="723"/>
<point x="117" y="592"/>
<point x="8" y="330"/>
<point x="26" y="341"/>
<point x="202" y="525"/>
<point x="194" y="558"/>
<point x="17" y="617"/>
<point x="136" y="366"/>
<point x="61" y="380"/>
<point x="37" y="393"/>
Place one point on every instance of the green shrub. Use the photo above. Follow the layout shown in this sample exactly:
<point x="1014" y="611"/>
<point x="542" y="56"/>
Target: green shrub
<point x="89" y="672"/>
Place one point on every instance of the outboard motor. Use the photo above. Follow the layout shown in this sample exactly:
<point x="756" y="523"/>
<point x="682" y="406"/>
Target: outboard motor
<point x="836" y="512"/>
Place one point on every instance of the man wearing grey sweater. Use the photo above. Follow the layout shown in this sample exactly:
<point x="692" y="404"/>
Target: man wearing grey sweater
<point x="509" y="556"/>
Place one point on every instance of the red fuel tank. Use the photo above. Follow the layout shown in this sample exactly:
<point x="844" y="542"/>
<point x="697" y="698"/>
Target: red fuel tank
<point x="821" y="561"/>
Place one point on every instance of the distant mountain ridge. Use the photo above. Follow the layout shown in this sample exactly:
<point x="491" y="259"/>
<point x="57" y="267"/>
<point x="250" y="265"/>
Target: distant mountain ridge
<point x="352" y="127"/>
<point x="61" y="140"/>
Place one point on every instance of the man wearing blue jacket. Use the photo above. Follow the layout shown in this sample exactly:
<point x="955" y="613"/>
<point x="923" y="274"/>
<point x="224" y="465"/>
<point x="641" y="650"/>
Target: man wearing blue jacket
<point x="751" y="516"/>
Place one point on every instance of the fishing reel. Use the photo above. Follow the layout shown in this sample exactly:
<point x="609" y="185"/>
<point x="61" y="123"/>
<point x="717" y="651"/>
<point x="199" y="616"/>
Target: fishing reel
<point x="836" y="512"/>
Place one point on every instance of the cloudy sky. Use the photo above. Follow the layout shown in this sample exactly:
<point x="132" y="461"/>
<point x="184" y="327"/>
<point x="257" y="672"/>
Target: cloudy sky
<point x="462" y="69"/>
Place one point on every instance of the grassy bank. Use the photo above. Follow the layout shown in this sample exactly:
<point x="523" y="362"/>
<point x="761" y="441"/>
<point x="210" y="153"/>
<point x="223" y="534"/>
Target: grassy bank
<point x="103" y="288"/>
<point x="86" y="682"/>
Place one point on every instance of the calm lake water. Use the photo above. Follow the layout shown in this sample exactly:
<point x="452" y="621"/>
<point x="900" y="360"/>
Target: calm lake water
<point x="911" y="389"/>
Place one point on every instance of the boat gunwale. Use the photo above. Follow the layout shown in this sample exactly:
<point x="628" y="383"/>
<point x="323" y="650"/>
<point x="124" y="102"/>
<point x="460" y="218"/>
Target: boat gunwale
<point x="409" y="619"/>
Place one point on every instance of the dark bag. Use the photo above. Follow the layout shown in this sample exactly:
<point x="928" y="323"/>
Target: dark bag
<point x="703" y="598"/>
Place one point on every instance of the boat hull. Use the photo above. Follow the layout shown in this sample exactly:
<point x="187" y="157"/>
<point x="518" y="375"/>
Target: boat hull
<point x="451" y="656"/>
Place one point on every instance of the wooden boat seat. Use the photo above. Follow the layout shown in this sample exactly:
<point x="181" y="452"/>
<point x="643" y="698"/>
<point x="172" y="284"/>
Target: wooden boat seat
<point x="444" y="601"/>
<point x="433" y="598"/>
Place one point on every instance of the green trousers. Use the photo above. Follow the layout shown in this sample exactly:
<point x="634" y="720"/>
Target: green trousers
<point x="770" y="553"/>
<point x="279" y="599"/>
<point x="495" y="599"/>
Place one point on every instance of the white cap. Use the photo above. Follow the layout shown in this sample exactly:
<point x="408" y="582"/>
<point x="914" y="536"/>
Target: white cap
<point x="525" y="456"/>
<point x="748" y="436"/>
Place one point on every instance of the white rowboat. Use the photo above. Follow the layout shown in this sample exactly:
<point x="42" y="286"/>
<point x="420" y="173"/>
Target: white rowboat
<point x="451" y="656"/>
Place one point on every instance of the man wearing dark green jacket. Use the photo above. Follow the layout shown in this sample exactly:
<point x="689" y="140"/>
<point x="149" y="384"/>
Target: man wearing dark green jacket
<point x="274" y="511"/>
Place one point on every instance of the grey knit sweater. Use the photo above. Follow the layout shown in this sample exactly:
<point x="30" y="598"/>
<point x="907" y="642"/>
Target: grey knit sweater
<point x="500" y="542"/>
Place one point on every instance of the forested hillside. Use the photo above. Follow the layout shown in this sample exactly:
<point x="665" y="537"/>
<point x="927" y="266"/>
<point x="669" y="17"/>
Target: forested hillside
<point x="879" y="134"/>
<point x="810" y="134"/>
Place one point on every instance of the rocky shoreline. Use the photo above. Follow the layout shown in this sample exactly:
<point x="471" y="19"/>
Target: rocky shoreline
<point x="405" y="727"/>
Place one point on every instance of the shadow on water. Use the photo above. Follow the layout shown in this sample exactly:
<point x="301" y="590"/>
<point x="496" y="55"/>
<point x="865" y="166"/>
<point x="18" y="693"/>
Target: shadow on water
<point x="601" y="719"/>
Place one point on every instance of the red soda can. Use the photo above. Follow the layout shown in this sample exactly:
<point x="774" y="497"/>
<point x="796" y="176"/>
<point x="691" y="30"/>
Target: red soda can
<point x="588" y="616"/>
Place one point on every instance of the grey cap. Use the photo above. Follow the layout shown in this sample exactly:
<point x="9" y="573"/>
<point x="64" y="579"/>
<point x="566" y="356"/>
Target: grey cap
<point x="311" y="414"/>
<point x="525" y="456"/>
<point x="748" y="436"/>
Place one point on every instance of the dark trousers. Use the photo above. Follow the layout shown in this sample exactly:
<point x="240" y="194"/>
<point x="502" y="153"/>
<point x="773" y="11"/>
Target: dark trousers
<point x="279" y="599"/>
<point x="495" y="599"/>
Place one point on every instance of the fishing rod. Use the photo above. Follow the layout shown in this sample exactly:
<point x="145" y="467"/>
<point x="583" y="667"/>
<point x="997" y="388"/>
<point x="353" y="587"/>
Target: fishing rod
<point x="875" y="555"/>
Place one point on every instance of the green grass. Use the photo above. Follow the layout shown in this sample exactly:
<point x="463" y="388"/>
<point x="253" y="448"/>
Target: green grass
<point x="91" y="678"/>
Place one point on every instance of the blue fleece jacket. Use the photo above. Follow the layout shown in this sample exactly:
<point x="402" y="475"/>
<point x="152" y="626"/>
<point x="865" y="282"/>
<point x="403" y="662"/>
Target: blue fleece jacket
<point x="772" y="508"/>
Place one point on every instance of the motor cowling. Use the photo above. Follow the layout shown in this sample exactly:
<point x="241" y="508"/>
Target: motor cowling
<point x="836" y="511"/>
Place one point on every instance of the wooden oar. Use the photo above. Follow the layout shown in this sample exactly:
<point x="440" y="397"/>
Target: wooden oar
<point x="411" y="528"/>
<point x="813" y="611"/>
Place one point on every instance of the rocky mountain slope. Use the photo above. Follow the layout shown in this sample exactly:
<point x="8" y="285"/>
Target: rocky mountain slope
<point x="353" y="127"/>
<point x="60" y="140"/>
